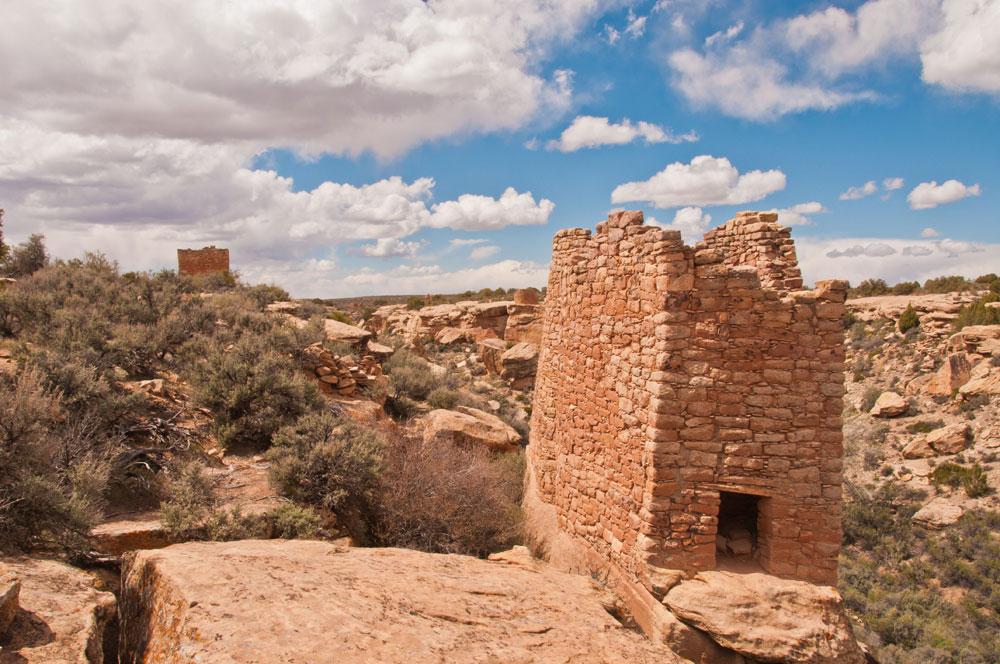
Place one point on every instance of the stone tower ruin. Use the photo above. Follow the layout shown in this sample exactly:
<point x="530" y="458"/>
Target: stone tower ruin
<point x="191" y="262"/>
<point x="688" y="403"/>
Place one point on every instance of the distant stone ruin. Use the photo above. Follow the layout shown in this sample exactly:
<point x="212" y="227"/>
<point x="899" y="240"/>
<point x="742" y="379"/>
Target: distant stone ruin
<point x="191" y="262"/>
<point x="687" y="408"/>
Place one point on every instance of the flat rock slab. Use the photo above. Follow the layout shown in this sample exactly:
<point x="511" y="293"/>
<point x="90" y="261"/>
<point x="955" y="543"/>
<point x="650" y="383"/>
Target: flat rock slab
<point x="767" y="618"/>
<point x="938" y="513"/>
<point x="143" y="531"/>
<point x="307" y="601"/>
<point x="62" y="616"/>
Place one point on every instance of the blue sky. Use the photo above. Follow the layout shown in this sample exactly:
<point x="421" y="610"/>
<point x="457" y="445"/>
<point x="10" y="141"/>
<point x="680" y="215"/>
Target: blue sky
<point x="302" y="134"/>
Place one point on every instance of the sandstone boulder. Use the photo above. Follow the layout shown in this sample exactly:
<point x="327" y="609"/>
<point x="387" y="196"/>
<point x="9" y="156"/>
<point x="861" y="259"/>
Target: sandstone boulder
<point x="889" y="404"/>
<point x="380" y="351"/>
<point x="490" y="353"/>
<point x="954" y="373"/>
<point x="938" y="513"/>
<point x="307" y="601"/>
<point x="983" y="380"/>
<point x="470" y="426"/>
<point x="766" y="618"/>
<point x="951" y="439"/>
<point x="447" y="336"/>
<point x="62" y="616"/>
<point x="518" y="365"/>
<point x="141" y="531"/>
<point x="10" y="590"/>
<point x="344" y="333"/>
<point x="981" y="339"/>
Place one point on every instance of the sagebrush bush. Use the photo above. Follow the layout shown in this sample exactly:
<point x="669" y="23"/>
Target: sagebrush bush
<point x="977" y="313"/>
<point x="869" y="398"/>
<point x="948" y="284"/>
<point x="445" y="499"/>
<point x="332" y="463"/>
<point x="971" y="478"/>
<point x="53" y="470"/>
<point x="252" y="391"/>
<point x="410" y="375"/>
<point x="24" y="259"/>
<point x="443" y="397"/>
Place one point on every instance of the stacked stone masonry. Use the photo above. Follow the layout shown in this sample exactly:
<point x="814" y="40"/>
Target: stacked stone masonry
<point x="191" y="262"/>
<point x="668" y="374"/>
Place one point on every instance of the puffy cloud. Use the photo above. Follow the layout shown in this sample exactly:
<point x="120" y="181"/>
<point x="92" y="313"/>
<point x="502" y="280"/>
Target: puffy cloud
<point x="706" y="180"/>
<point x="928" y="195"/>
<point x="835" y="40"/>
<point x="390" y="247"/>
<point x="380" y="75"/>
<point x="910" y="260"/>
<point x="964" y="54"/>
<point x="873" y="249"/>
<point x="611" y="34"/>
<point x="465" y="242"/>
<point x="929" y="233"/>
<point x="744" y="82"/>
<point x="484" y="252"/>
<point x="587" y="131"/>
<point x="797" y="215"/>
<point x="692" y="222"/>
<point x="855" y="193"/>
<point x="892" y="184"/>
<point x="476" y="213"/>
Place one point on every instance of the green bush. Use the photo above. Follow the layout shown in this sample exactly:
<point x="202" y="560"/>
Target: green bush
<point x="415" y="303"/>
<point x="26" y="258"/>
<point x="252" y="391"/>
<point x="869" y="288"/>
<point x="977" y="313"/>
<point x="443" y="397"/>
<point x="949" y="284"/>
<point x="340" y="317"/>
<point x="906" y="288"/>
<point x="332" y="463"/>
<point x="869" y="398"/>
<point x="53" y="470"/>
<point x="401" y="408"/>
<point x="410" y="375"/>
<point x="971" y="478"/>
<point x="908" y="320"/>
<point x="924" y="427"/>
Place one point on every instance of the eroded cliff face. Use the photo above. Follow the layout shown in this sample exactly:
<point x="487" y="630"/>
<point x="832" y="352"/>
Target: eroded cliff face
<point x="309" y="601"/>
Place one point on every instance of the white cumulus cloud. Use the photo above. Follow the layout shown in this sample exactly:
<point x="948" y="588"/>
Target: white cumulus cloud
<point x="692" y="222"/>
<point x="484" y="252"/>
<point x="964" y="54"/>
<point x="928" y="195"/>
<point x="588" y="131"/>
<point x="892" y="184"/>
<point x="706" y="180"/>
<point x="475" y="213"/>
<point x="390" y="247"/>
<point x="929" y="233"/>
<point x="855" y="193"/>
<point x="798" y="215"/>
<point x="872" y="249"/>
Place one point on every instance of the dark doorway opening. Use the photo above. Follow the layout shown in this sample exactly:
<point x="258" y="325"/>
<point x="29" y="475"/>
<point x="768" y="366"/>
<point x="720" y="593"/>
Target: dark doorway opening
<point x="737" y="532"/>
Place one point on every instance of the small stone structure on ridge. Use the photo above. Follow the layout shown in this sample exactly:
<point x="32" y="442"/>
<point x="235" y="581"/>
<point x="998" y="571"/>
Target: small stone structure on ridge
<point x="191" y="262"/>
<point x="688" y="402"/>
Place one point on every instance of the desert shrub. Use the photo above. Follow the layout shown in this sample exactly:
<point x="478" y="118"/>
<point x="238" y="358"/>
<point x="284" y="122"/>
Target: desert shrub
<point x="291" y="521"/>
<point x="924" y="427"/>
<point x="26" y="258"/>
<point x="948" y="284"/>
<point x="869" y="288"/>
<point x="332" y="463"/>
<point x="906" y="288"/>
<point x="849" y="320"/>
<point x="443" y="397"/>
<point x="252" y="391"/>
<point x="192" y="501"/>
<point x="265" y="294"/>
<point x="340" y="316"/>
<point x="869" y="398"/>
<point x="401" y="407"/>
<point x="977" y="313"/>
<point x="970" y="405"/>
<point x="908" y="320"/>
<point x="447" y="499"/>
<point x="410" y="375"/>
<point x="53" y="471"/>
<point x="415" y="303"/>
<point x="971" y="478"/>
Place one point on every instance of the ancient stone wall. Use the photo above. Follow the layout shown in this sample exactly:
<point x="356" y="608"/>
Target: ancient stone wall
<point x="192" y="262"/>
<point x="669" y="374"/>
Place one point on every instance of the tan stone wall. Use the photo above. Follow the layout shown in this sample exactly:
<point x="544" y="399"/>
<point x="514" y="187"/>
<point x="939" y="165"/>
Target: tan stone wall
<point x="191" y="262"/>
<point x="669" y="373"/>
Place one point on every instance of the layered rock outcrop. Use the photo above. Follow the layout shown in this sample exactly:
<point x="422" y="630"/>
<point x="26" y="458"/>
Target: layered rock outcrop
<point x="60" y="616"/>
<point x="305" y="601"/>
